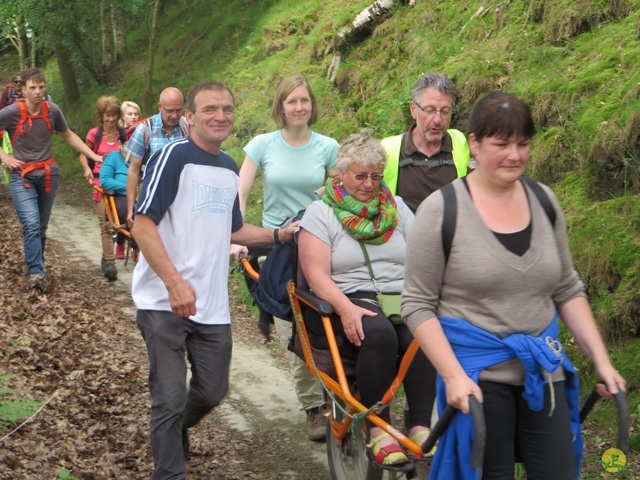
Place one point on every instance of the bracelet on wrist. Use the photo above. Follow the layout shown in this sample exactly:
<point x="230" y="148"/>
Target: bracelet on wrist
<point x="276" y="240"/>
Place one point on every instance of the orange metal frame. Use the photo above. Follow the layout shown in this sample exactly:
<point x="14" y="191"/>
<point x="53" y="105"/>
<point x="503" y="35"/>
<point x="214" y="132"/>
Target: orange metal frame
<point x="340" y="387"/>
<point x="112" y="212"/>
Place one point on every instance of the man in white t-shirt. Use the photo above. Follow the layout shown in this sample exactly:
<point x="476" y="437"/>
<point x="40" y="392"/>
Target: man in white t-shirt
<point x="186" y="217"/>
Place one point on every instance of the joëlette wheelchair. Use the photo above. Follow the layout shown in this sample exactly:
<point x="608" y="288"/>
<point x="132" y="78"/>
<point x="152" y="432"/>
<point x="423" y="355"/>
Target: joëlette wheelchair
<point x="117" y="225"/>
<point x="346" y="427"/>
<point x="346" y="431"/>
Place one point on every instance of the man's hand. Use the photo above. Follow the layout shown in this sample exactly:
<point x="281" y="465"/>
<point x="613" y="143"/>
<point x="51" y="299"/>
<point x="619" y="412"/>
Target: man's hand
<point x="12" y="163"/>
<point x="236" y="250"/>
<point x="130" y="220"/>
<point x="182" y="299"/>
<point x="286" y="235"/>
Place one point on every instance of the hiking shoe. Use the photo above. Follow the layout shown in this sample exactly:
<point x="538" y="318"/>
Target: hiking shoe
<point x="185" y="444"/>
<point x="37" y="281"/>
<point x="119" y="251"/>
<point x="316" y="425"/>
<point x="110" y="271"/>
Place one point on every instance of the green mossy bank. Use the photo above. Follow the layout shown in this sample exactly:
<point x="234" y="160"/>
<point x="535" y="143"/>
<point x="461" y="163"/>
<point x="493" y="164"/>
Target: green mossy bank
<point x="577" y="63"/>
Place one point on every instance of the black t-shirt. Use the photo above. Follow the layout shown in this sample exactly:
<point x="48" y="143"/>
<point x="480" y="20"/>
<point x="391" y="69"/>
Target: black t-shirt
<point x="417" y="182"/>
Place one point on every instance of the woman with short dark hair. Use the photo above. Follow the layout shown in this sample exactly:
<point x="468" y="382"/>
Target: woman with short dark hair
<point x="487" y="314"/>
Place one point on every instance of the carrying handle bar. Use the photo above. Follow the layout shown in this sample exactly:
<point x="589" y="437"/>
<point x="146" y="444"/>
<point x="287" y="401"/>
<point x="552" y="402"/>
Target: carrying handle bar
<point x="479" y="429"/>
<point x="624" y="419"/>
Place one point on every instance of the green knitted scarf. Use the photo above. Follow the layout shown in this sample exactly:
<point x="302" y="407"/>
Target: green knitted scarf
<point x="369" y="222"/>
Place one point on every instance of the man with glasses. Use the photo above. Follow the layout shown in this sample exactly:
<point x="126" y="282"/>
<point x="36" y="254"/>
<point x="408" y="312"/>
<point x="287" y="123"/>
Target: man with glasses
<point x="150" y="136"/>
<point x="12" y="92"/>
<point x="428" y="155"/>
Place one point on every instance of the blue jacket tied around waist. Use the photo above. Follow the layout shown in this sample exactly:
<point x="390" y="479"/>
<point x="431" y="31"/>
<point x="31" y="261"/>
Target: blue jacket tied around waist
<point x="477" y="350"/>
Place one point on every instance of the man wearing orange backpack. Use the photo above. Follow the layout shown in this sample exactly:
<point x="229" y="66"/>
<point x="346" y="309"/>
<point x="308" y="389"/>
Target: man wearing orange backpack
<point x="33" y="169"/>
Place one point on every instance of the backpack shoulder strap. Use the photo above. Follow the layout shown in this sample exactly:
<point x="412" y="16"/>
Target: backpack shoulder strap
<point x="98" y="139"/>
<point x="24" y="113"/>
<point x="184" y="126"/>
<point x="449" y="215"/>
<point x="543" y="198"/>
<point x="449" y="218"/>
<point x="44" y="114"/>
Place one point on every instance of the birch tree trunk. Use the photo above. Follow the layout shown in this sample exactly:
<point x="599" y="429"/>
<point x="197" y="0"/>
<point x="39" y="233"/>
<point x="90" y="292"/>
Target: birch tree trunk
<point x="148" y="75"/>
<point x="19" y="41"/>
<point x="119" y="35"/>
<point x="22" y="44"/>
<point x="360" y="28"/>
<point x="107" y="38"/>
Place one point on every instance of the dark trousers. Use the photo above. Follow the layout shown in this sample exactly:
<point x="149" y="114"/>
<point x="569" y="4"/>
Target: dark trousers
<point x="173" y="408"/>
<point x="377" y="361"/>
<point x="121" y="207"/>
<point x="542" y="442"/>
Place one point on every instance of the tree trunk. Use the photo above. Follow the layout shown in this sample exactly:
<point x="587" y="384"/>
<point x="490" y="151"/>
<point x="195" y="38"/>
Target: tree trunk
<point x="360" y="28"/>
<point x="67" y="74"/>
<point x="148" y="75"/>
<point x="119" y="35"/>
<point x="32" y="51"/>
<point x="20" y="46"/>
<point x="20" y="41"/>
<point x="107" y="38"/>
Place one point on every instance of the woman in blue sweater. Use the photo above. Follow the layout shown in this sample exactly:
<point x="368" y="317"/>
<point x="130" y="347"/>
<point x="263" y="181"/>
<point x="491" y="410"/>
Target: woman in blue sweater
<point x="113" y="179"/>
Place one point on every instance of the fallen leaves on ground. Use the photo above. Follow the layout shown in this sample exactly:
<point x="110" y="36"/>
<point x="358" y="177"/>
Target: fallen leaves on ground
<point x="79" y="349"/>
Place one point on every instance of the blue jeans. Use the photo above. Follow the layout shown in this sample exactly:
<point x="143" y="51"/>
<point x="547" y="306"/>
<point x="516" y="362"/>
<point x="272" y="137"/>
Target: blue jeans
<point x="33" y="207"/>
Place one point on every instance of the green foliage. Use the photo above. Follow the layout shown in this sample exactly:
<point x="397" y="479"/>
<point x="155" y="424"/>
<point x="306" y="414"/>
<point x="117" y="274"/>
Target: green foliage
<point x="64" y="474"/>
<point x="13" y="408"/>
<point x="605" y="244"/>
<point x="603" y="419"/>
<point x="576" y="63"/>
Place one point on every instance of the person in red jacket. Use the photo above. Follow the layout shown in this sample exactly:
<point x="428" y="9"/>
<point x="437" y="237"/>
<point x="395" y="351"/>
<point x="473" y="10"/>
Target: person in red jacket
<point x="12" y="92"/>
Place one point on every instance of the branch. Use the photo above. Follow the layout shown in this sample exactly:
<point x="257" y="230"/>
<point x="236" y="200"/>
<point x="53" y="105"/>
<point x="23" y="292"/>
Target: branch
<point x="28" y="419"/>
<point x="361" y="26"/>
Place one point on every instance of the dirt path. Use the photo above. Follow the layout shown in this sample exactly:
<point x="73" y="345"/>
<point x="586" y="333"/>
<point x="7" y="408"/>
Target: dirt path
<point x="258" y="432"/>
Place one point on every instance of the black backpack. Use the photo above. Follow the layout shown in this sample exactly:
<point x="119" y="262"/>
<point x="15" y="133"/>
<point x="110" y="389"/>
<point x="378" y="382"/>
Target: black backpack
<point x="449" y="215"/>
<point x="275" y="273"/>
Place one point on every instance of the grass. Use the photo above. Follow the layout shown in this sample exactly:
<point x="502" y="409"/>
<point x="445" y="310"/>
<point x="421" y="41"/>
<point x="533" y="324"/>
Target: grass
<point x="13" y="408"/>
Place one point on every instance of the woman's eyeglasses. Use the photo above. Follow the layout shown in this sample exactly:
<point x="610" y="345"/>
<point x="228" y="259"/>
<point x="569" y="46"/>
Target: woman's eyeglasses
<point x="361" y="177"/>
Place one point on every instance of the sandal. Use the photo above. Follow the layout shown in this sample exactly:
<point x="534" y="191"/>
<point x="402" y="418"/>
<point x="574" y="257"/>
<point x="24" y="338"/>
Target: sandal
<point x="420" y="437"/>
<point x="390" y="457"/>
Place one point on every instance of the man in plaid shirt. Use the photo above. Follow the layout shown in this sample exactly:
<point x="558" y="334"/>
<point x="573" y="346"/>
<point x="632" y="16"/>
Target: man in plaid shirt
<point x="150" y="136"/>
